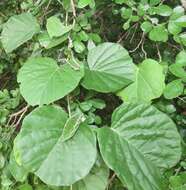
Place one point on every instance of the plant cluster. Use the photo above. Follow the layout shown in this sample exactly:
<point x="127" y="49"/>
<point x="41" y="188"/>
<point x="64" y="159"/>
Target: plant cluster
<point x="92" y="95"/>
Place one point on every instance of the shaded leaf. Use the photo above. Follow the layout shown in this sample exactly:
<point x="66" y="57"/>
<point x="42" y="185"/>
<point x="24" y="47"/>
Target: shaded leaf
<point x="18" y="30"/>
<point x="149" y="83"/>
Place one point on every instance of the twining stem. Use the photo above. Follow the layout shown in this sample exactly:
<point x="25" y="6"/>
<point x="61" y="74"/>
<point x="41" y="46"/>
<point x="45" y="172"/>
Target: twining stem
<point x="68" y="106"/>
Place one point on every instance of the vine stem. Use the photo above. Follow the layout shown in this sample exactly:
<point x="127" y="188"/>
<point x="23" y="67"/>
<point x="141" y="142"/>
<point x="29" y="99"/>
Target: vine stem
<point x="71" y="188"/>
<point x="68" y="106"/>
<point x="73" y="8"/>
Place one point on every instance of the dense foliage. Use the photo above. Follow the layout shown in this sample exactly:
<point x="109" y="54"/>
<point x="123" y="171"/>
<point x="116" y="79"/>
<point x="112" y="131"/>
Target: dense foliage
<point x="92" y="95"/>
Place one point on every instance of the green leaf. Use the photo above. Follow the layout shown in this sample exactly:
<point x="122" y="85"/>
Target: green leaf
<point x="109" y="69"/>
<point x="163" y="10"/>
<point x="154" y="2"/>
<point x="159" y="34"/>
<point x="79" y="47"/>
<point x="18" y="172"/>
<point x="150" y="131"/>
<point x="128" y="163"/>
<point x="55" y="162"/>
<point x="25" y="187"/>
<point x="149" y="83"/>
<point x="47" y="81"/>
<point x="181" y="21"/>
<point x="177" y="12"/>
<point x="146" y="26"/>
<point x="71" y="126"/>
<point x="83" y="3"/>
<point x="46" y="42"/>
<point x="18" y="30"/>
<point x="56" y="28"/>
<point x="96" y="179"/>
<point x="178" y="68"/>
<point x="173" y="89"/>
<point x="173" y="28"/>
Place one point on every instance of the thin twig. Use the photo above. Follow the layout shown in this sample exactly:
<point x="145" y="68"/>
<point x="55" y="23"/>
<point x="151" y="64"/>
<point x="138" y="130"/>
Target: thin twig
<point x="159" y="54"/>
<point x="140" y="42"/>
<point x="136" y="26"/>
<point x="68" y="106"/>
<point x="143" y="50"/>
<point x="73" y="8"/>
<point x="15" y="115"/>
<point x="110" y="180"/>
<point x="20" y="118"/>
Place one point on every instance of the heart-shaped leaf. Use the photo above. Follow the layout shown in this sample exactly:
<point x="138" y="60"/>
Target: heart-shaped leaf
<point x="133" y="169"/>
<point x="47" y="81"/>
<point x="54" y="161"/>
<point x="18" y="30"/>
<point x="149" y="83"/>
<point x="110" y="68"/>
<point x="150" y="131"/>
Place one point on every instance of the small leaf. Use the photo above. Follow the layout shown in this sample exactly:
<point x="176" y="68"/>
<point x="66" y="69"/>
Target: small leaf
<point x="18" y="30"/>
<point x="181" y="21"/>
<point x="79" y="47"/>
<point x="46" y="42"/>
<point x="173" y="28"/>
<point x="71" y="126"/>
<point x="173" y="89"/>
<point x="146" y="26"/>
<point x="159" y="34"/>
<point x="178" y="68"/>
<point x="83" y="3"/>
<point x="163" y="10"/>
<point x="149" y="83"/>
<point x="109" y="69"/>
<point x="47" y="81"/>
<point x="56" y="28"/>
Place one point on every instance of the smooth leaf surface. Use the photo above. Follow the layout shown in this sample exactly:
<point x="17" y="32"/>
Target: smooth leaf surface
<point x="47" y="81"/>
<point x="96" y="179"/>
<point x="56" y="28"/>
<point x="129" y="164"/>
<point x="55" y="162"/>
<point x="110" y="68"/>
<point x="71" y="126"/>
<point x="18" y="30"/>
<point x="18" y="172"/>
<point x="150" y="131"/>
<point x="149" y="83"/>
<point x="159" y="34"/>
<point x="173" y="89"/>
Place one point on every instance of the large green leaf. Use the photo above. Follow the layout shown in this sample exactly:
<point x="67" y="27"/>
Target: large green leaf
<point x="54" y="161"/>
<point x="149" y="83"/>
<point x="96" y="179"/>
<point x="18" y="30"/>
<point x="133" y="169"/>
<point x="110" y="68"/>
<point x="42" y="81"/>
<point x="152" y="132"/>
